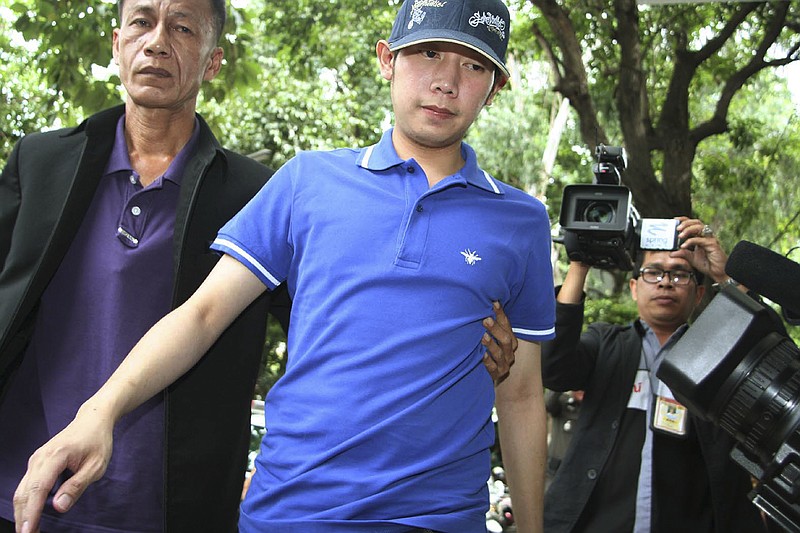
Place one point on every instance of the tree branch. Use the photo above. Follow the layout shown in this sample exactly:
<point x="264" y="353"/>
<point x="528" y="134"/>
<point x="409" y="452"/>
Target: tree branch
<point x="573" y="83"/>
<point x="719" y="122"/>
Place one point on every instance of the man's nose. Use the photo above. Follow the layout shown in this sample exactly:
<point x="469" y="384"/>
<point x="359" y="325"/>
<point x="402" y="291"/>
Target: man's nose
<point x="158" y="41"/>
<point x="446" y="79"/>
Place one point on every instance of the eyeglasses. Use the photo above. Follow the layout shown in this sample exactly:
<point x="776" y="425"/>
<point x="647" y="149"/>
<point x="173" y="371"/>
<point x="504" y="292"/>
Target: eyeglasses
<point x="657" y="275"/>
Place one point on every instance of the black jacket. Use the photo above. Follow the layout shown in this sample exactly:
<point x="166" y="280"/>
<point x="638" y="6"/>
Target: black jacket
<point x="603" y="362"/>
<point x="45" y="189"/>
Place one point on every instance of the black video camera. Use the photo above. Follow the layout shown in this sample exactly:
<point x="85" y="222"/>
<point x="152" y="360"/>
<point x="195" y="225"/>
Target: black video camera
<point x="737" y="367"/>
<point x="600" y="225"/>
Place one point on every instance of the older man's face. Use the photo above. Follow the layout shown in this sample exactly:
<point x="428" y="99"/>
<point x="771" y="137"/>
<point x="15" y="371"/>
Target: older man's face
<point x="165" y="49"/>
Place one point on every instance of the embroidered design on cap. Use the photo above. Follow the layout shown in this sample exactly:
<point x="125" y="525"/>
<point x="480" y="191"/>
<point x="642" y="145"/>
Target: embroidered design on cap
<point x="493" y="23"/>
<point x="417" y="14"/>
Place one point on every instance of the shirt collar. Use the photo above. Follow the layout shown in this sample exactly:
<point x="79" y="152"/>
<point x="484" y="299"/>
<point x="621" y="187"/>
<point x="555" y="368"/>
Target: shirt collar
<point x="120" y="161"/>
<point x="383" y="156"/>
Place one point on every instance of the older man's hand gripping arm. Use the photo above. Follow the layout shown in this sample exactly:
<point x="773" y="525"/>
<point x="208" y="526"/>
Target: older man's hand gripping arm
<point x="500" y="343"/>
<point x="167" y="351"/>
<point x="523" y="437"/>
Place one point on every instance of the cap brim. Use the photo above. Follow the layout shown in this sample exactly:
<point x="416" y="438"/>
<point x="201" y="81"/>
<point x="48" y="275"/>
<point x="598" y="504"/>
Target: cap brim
<point x="428" y="36"/>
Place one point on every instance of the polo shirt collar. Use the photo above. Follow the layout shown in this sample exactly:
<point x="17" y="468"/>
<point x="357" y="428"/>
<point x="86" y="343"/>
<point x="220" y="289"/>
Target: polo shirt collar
<point x="120" y="159"/>
<point x="383" y="156"/>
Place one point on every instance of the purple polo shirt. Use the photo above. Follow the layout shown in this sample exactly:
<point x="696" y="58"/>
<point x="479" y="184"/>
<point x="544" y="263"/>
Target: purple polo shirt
<point x="114" y="283"/>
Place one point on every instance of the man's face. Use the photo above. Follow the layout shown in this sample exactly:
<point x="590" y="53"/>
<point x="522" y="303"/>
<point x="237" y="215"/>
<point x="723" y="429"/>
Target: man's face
<point x="165" y="49"/>
<point x="665" y="304"/>
<point x="438" y="89"/>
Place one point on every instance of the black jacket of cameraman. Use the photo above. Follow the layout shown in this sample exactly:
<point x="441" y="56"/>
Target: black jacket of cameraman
<point x="603" y="362"/>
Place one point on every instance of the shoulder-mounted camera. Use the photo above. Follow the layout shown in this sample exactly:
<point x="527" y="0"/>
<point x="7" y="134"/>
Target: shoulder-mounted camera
<point x="600" y="225"/>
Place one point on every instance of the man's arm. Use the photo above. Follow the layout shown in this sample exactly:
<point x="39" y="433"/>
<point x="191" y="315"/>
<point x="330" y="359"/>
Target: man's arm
<point x="572" y="289"/>
<point x="523" y="436"/>
<point x="568" y="360"/>
<point x="9" y="203"/>
<point x="167" y="351"/>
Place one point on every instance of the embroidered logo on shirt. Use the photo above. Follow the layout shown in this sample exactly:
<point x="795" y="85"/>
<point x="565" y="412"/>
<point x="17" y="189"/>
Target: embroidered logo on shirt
<point x="470" y="257"/>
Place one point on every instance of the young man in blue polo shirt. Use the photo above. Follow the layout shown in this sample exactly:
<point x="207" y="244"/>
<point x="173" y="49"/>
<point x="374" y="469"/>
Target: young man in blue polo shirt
<point x="393" y="256"/>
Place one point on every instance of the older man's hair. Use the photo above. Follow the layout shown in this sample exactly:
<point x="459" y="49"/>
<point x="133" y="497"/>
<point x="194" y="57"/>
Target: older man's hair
<point x="217" y="8"/>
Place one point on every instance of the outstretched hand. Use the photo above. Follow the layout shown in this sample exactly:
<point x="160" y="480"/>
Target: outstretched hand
<point x="500" y="343"/>
<point x="701" y="249"/>
<point x="84" y="448"/>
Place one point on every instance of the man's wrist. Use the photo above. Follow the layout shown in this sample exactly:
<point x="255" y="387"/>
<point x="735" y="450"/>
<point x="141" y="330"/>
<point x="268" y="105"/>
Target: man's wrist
<point x="727" y="282"/>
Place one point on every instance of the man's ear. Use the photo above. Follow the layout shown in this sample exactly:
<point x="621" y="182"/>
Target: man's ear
<point x="701" y="290"/>
<point x="214" y="64"/>
<point x="500" y="82"/>
<point x="115" y="45"/>
<point x="633" y="287"/>
<point x="385" y="59"/>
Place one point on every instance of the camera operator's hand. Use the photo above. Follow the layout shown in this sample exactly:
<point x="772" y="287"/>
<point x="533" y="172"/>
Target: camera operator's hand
<point x="701" y="248"/>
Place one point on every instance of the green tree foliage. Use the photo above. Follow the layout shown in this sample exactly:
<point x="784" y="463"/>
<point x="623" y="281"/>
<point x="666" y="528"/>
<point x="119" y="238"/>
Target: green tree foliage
<point x="690" y="89"/>
<point x="663" y="77"/>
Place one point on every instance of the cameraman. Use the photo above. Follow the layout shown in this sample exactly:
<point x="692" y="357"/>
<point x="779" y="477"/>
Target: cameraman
<point x="626" y="469"/>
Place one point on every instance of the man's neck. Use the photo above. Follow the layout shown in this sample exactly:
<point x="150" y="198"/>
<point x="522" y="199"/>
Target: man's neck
<point x="662" y="331"/>
<point x="438" y="163"/>
<point x="154" y="137"/>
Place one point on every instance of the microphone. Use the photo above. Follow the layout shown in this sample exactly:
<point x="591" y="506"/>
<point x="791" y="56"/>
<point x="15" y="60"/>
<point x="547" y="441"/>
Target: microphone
<point x="769" y="274"/>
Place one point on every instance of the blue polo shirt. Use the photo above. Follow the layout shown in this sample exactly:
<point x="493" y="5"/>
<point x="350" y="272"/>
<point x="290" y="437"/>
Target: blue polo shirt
<point x="383" y="418"/>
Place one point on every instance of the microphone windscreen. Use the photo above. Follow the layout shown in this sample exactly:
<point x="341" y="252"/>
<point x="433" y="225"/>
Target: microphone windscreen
<point x="768" y="273"/>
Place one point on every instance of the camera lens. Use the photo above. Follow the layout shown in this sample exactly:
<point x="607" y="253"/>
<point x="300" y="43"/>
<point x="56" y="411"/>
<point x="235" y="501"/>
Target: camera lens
<point x="599" y="212"/>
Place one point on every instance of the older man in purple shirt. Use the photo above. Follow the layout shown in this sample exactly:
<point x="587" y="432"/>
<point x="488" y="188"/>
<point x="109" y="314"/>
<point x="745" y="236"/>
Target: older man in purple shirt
<point x="104" y="228"/>
<point x="113" y="283"/>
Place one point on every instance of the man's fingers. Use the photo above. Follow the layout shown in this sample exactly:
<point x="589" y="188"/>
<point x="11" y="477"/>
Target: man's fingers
<point x="32" y="492"/>
<point x="497" y="360"/>
<point x="491" y="366"/>
<point x="45" y="466"/>
<point x="500" y="343"/>
<point x="503" y="332"/>
<point x="29" y="501"/>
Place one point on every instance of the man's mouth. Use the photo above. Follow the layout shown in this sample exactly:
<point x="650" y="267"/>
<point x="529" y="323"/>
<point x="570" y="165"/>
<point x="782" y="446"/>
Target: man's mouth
<point x="153" y="71"/>
<point x="436" y="110"/>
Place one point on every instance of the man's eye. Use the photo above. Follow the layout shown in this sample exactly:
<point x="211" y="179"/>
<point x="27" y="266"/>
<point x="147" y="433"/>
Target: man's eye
<point x="182" y="29"/>
<point x="430" y="53"/>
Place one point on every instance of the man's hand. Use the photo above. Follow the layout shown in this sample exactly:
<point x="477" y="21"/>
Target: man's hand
<point x="84" y="448"/>
<point x="500" y="344"/>
<point x="702" y="250"/>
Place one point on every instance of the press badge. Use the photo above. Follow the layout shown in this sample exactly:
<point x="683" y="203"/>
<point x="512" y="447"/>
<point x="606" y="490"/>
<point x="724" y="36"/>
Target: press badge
<point x="670" y="417"/>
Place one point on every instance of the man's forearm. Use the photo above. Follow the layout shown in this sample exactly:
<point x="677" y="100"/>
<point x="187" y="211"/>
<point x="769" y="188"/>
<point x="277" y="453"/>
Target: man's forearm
<point x="572" y="289"/>
<point x="523" y="441"/>
<point x="523" y="436"/>
<point x="176" y="342"/>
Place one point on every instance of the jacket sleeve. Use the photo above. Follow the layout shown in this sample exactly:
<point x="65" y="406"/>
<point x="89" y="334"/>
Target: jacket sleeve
<point x="10" y="196"/>
<point x="568" y="360"/>
<point x="281" y="306"/>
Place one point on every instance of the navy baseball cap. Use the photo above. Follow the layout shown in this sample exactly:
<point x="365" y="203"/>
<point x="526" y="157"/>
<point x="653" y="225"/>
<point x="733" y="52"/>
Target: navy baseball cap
<point x="483" y="25"/>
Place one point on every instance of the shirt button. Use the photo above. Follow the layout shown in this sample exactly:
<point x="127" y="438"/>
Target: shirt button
<point x="133" y="178"/>
<point x="410" y="169"/>
<point x="419" y="209"/>
<point x="591" y="473"/>
<point x="136" y="210"/>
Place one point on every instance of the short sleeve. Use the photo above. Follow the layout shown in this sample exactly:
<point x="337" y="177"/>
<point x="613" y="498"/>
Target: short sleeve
<point x="259" y="236"/>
